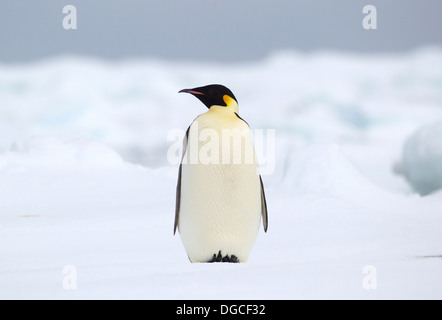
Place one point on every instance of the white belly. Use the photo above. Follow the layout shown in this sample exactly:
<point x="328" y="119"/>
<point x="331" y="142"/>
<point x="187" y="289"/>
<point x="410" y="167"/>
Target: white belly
<point x="220" y="208"/>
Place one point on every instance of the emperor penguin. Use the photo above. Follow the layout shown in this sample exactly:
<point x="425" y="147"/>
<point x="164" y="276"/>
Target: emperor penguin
<point x="220" y="198"/>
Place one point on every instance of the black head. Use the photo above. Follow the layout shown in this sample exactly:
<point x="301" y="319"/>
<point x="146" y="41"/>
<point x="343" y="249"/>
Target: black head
<point x="212" y="95"/>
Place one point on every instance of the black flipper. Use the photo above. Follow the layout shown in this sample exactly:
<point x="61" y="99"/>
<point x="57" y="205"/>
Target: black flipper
<point x="265" y="218"/>
<point x="178" y="200"/>
<point x="178" y="187"/>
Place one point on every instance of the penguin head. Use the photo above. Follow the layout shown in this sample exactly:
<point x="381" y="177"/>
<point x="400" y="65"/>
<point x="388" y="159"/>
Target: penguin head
<point x="214" y="95"/>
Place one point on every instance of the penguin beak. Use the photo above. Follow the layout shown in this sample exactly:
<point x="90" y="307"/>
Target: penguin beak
<point x="191" y="91"/>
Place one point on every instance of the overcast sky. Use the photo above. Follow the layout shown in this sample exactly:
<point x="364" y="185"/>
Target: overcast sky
<point x="221" y="30"/>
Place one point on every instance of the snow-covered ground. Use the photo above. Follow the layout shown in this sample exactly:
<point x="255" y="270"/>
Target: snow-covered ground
<point x="421" y="162"/>
<point x="87" y="191"/>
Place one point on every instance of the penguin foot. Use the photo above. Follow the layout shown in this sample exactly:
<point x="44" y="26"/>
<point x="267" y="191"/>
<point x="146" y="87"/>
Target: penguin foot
<point x="220" y="258"/>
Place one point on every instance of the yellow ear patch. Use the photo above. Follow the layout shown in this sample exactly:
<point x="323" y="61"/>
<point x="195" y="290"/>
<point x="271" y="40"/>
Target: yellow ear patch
<point x="228" y="100"/>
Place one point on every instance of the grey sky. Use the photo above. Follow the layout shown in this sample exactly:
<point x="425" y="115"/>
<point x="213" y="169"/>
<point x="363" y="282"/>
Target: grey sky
<point x="227" y="30"/>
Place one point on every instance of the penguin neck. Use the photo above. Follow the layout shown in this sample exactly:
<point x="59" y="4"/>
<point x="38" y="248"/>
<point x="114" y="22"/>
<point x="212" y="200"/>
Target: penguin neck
<point x="232" y="106"/>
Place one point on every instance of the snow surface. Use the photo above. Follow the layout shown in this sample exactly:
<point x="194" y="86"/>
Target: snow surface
<point x="86" y="185"/>
<point x="421" y="162"/>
